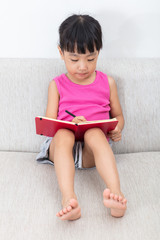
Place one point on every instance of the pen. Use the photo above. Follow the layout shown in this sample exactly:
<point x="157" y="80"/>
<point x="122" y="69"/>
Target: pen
<point x="73" y="116"/>
<point x="70" y="113"/>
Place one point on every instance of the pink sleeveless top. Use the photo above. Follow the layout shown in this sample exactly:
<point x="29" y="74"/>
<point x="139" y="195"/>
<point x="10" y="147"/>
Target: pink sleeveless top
<point x="90" y="101"/>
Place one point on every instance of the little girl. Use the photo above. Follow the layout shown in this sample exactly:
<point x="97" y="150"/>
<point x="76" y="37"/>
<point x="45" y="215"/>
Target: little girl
<point x="89" y="95"/>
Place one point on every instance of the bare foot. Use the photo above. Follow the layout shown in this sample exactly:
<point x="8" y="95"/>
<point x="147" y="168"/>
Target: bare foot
<point x="117" y="203"/>
<point x="70" y="211"/>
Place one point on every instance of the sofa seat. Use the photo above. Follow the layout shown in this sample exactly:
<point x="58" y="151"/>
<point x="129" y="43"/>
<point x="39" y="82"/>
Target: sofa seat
<point x="30" y="198"/>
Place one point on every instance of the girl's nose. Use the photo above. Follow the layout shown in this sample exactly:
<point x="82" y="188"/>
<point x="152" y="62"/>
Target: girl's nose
<point x="82" y="66"/>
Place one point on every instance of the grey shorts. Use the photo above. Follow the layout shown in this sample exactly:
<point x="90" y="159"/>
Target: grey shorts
<point x="43" y="156"/>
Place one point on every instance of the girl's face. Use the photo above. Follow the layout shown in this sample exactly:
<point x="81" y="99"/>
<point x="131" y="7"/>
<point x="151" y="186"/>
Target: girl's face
<point x="81" y="67"/>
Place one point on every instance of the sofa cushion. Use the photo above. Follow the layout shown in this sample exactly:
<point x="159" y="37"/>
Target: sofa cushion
<point x="30" y="199"/>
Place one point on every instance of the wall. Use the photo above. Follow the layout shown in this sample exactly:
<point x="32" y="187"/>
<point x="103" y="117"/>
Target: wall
<point x="29" y="28"/>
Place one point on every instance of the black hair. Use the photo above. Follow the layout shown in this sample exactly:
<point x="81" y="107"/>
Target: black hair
<point x="80" y="32"/>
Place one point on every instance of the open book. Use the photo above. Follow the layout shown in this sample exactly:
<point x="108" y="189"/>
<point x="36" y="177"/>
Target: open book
<point x="49" y="126"/>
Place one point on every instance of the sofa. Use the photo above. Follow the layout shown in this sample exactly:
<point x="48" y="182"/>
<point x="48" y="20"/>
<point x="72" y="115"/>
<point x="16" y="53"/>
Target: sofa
<point x="29" y="192"/>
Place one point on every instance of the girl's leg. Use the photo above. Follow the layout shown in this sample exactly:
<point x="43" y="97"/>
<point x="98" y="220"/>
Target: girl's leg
<point x="60" y="152"/>
<point x="106" y="167"/>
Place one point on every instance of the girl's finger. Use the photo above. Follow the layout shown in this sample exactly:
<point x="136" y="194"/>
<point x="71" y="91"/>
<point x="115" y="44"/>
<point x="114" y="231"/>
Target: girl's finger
<point x="81" y="118"/>
<point x="116" y="139"/>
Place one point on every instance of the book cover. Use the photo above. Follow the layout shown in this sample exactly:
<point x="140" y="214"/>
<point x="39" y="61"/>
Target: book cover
<point x="49" y="126"/>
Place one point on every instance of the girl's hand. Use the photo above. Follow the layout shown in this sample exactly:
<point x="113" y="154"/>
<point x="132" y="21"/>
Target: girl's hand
<point x="79" y="119"/>
<point x="115" y="134"/>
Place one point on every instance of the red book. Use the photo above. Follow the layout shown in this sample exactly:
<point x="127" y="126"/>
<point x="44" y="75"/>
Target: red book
<point x="49" y="126"/>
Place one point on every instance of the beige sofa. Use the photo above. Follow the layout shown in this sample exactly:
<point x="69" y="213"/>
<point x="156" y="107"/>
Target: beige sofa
<point x="29" y="193"/>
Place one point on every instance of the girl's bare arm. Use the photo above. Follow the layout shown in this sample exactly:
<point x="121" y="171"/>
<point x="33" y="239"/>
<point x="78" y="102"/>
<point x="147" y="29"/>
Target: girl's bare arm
<point x="53" y="100"/>
<point x="116" y="111"/>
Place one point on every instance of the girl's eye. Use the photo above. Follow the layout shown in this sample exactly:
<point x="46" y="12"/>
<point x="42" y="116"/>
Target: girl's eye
<point x="76" y="60"/>
<point x="90" y="60"/>
<point x="73" y="60"/>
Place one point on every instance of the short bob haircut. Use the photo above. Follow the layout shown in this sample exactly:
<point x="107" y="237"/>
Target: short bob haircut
<point x="80" y="33"/>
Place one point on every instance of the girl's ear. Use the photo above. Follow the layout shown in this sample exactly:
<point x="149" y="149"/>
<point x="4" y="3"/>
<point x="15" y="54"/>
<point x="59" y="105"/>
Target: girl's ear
<point x="61" y="52"/>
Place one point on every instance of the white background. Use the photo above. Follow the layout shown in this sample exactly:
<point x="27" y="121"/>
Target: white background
<point x="29" y="28"/>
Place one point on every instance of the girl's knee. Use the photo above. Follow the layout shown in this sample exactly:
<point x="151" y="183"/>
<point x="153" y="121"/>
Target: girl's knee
<point x="92" y="133"/>
<point x="64" y="136"/>
<point x="94" y="136"/>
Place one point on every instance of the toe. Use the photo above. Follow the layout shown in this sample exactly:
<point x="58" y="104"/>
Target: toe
<point x="124" y="201"/>
<point x="73" y="203"/>
<point x="65" y="210"/>
<point x="120" y="199"/>
<point x="112" y="196"/>
<point x="69" y="208"/>
<point x="58" y="215"/>
<point x="61" y="213"/>
<point x="106" y="193"/>
<point x="115" y="197"/>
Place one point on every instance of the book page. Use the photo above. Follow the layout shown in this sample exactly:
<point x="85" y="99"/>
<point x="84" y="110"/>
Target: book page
<point x="99" y="121"/>
<point x="56" y="120"/>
